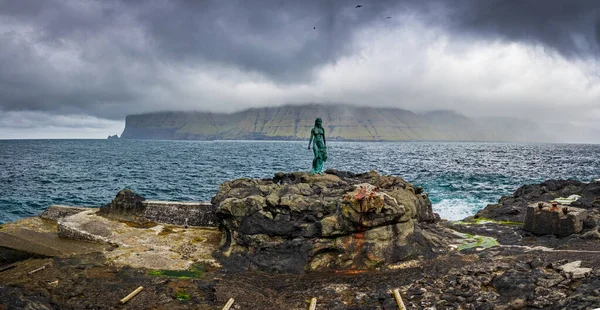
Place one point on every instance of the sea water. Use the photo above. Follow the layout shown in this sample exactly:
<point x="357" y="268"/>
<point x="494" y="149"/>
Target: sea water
<point x="461" y="178"/>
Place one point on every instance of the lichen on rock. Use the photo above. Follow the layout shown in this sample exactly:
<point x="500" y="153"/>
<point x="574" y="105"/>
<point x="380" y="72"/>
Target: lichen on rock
<point x="341" y="220"/>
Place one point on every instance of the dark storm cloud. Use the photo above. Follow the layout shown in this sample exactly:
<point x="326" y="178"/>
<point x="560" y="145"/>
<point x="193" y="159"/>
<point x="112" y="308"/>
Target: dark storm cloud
<point x="572" y="28"/>
<point x="101" y="57"/>
<point x="283" y="39"/>
<point x="115" y="57"/>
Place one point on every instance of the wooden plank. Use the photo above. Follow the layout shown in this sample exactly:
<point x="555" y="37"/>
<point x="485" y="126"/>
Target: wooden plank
<point x="399" y="301"/>
<point x="313" y="304"/>
<point x="36" y="270"/>
<point x="131" y="295"/>
<point x="228" y="304"/>
<point x="7" y="267"/>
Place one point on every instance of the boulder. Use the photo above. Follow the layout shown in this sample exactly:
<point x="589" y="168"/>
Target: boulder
<point x="574" y="269"/>
<point x="561" y="221"/>
<point x="127" y="206"/>
<point x="296" y="222"/>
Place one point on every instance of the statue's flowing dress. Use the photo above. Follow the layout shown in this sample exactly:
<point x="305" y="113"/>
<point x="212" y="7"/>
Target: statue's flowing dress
<point x="319" y="150"/>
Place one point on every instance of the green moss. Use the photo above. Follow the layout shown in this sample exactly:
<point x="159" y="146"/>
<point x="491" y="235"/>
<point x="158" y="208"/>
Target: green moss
<point x="372" y="264"/>
<point x="165" y="231"/>
<point x="483" y="220"/>
<point x="193" y="273"/>
<point x="198" y="240"/>
<point x="155" y="273"/>
<point x="140" y="225"/>
<point x="476" y="241"/>
<point x="182" y="295"/>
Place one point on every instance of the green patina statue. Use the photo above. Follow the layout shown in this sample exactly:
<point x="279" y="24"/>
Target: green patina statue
<point x="317" y="139"/>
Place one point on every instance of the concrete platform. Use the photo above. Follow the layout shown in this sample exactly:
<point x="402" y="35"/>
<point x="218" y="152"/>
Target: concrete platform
<point x="157" y="247"/>
<point x="38" y="237"/>
<point x="199" y="214"/>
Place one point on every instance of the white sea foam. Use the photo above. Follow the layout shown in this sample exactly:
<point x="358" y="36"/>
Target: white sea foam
<point x="457" y="209"/>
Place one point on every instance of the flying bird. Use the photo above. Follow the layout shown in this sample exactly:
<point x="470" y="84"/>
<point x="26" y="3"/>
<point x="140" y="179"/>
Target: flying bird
<point x="314" y="27"/>
<point x="358" y="6"/>
<point x="389" y="17"/>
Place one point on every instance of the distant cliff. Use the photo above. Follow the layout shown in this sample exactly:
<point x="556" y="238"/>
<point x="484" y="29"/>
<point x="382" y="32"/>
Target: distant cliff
<point x="341" y="122"/>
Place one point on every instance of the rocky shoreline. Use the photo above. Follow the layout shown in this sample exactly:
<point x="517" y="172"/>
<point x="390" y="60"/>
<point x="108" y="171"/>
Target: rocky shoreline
<point x="347" y="239"/>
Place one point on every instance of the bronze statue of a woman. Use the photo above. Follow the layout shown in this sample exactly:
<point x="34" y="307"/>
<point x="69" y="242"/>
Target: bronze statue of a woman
<point x="317" y="139"/>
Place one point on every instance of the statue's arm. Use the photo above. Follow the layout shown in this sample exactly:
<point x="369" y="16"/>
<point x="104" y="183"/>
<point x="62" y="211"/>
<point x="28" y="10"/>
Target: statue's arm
<point x="311" y="138"/>
<point x="324" y="141"/>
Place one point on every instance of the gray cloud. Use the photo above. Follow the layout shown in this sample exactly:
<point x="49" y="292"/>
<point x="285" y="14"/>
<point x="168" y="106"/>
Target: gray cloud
<point x="569" y="27"/>
<point x="100" y="57"/>
<point x="107" y="59"/>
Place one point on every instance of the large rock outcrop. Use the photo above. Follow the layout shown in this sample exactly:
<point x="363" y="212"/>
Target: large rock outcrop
<point x="513" y="208"/>
<point x="296" y="222"/>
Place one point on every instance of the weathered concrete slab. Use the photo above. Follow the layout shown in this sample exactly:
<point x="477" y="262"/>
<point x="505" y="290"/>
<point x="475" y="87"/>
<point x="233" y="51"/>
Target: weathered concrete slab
<point x="36" y="237"/>
<point x="156" y="247"/>
<point x="80" y="227"/>
<point x="55" y="212"/>
<point x="545" y="220"/>
<point x="180" y="213"/>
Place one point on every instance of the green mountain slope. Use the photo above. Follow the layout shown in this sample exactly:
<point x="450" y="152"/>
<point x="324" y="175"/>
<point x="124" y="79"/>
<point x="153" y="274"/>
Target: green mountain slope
<point x="341" y="122"/>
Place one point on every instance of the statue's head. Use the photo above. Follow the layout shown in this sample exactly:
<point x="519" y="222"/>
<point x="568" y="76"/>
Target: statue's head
<point x="318" y="122"/>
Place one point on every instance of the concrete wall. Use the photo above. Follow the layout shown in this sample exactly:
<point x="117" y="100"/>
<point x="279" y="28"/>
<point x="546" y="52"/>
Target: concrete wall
<point x="181" y="213"/>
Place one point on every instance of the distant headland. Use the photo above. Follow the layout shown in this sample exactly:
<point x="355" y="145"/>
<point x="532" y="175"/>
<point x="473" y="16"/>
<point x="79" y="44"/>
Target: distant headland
<point x="341" y="122"/>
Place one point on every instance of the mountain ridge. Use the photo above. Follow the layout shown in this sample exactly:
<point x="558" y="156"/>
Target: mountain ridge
<point x="341" y="122"/>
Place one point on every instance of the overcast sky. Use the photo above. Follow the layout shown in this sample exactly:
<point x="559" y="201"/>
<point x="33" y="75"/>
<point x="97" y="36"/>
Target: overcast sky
<point x="75" y="68"/>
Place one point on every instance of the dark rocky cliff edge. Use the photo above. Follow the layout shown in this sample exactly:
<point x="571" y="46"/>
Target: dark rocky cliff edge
<point x="343" y="221"/>
<point x="342" y="122"/>
<point x="347" y="239"/>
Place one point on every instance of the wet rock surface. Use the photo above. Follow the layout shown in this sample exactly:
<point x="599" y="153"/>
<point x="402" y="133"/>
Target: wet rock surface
<point x="296" y="222"/>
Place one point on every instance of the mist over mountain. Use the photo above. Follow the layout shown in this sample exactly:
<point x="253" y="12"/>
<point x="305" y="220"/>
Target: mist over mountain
<point x="341" y="122"/>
